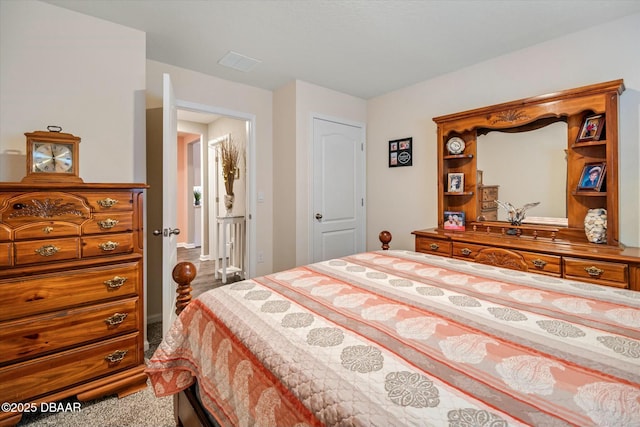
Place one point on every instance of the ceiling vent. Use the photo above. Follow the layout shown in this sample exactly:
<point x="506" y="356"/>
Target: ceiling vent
<point x="238" y="61"/>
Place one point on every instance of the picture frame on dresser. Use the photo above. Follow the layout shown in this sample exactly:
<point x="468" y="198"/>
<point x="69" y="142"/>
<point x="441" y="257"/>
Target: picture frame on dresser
<point x="454" y="220"/>
<point x="591" y="129"/>
<point x="592" y="177"/>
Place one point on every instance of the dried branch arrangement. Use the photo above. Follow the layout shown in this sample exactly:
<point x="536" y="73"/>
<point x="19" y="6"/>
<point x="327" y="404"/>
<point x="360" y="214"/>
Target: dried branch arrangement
<point x="229" y="155"/>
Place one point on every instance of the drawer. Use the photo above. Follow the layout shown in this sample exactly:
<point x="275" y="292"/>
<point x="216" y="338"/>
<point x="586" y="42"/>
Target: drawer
<point x="6" y="254"/>
<point x="543" y="263"/>
<point x="46" y="229"/>
<point x="430" y="246"/>
<point x="111" y="201"/>
<point x="113" y="222"/>
<point x="491" y="204"/>
<point x="39" y="251"/>
<point x="600" y="272"/>
<point x="5" y="233"/>
<point x="27" y="338"/>
<point x="50" y="373"/>
<point x="49" y="292"/>
<point x="489" y="193"/>
<point x="35" y="206"/>
<point x="109" y="244"/>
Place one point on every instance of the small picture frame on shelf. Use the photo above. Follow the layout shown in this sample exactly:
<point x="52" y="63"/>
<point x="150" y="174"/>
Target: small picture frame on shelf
<point x="591" y="128"/>
<point x="592" y="176"/>
<point x="455" y="182"/>
<point x="454" y="220"/>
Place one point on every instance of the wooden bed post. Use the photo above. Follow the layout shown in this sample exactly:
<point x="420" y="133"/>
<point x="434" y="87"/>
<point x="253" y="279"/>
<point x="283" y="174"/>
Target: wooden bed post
<point x="385" y="238"/>
<point x="183" y="274"/>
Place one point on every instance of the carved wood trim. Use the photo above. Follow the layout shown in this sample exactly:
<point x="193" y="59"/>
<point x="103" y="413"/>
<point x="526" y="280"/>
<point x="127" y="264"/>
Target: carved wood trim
<point x="502" y="258"/>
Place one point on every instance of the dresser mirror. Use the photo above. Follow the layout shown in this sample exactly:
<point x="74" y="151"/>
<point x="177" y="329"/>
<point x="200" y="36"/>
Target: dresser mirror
<point x="528" y="166"/>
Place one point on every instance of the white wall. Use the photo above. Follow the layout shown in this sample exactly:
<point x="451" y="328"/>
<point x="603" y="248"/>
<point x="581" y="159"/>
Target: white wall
<point x="405" y="199"/>
<point x="202" y="89"/>
<point x="59" y="67"/>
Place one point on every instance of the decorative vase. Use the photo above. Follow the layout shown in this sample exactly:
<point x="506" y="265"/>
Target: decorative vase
<point x="228" y="202"/>
<point x="595" y="225"/>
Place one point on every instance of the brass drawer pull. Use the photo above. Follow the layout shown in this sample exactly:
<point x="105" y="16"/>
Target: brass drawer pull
<point x="594" y="271"/>
<point x="466" y="251"/>
<point x="47" y="230"/>
<point x="434" y="246"/>
<point x="47" y="250"/>
<point x="116" y="282"/>
<point x="107" y="203"/>
<point x="116" y="356"/>
<point x="539" y="263"/>
<point x="108" y="223"/>
<point x="116" y="319"/>
<point x="109" y="246"/>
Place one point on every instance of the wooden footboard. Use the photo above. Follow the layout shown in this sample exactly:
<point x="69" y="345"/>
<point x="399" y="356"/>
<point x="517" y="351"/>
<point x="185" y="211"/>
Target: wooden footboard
<point x="187" y="409"/>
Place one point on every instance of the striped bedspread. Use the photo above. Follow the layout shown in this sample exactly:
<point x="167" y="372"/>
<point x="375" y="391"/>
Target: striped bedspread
<point x="397" y="338"/>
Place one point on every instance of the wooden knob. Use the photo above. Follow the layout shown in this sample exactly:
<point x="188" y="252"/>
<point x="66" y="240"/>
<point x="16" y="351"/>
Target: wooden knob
<point x="183" y="274"/>
<point x="385" y="238"/>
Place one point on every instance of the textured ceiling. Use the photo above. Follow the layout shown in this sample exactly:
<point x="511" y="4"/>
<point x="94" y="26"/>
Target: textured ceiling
<point x="363" y="48"/>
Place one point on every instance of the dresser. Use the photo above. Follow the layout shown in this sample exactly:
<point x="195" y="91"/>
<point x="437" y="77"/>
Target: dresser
<point x="71" y="292"/>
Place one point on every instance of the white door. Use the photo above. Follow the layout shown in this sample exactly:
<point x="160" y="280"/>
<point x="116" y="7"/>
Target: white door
<point x="338" y="214"/>
<point x="169" y="214"/>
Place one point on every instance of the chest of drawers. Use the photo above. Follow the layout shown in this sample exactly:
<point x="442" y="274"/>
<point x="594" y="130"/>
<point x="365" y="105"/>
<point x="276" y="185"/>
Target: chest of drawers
<point x="71" y="292"/>
<point x="487" y="206"/>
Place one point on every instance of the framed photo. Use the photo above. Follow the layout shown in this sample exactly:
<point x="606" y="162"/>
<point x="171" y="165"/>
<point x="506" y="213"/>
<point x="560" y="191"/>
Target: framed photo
<point x="400" y="152"/>
<point x="455" y="182"/>
<point x="592" y="176"/>
<point x="591" y="128"/>
<point x="454" y="220"/>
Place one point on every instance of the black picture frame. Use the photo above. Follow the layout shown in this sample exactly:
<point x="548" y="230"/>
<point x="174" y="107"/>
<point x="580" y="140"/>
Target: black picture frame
<point x="592" y="177"/>
<point x="591" y="129"/>
<point x="401" y="152"/>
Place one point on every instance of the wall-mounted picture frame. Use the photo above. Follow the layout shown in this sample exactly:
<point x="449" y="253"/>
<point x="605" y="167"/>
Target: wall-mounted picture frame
<point x="591" y="129"/>
<point x="401" y="152"/>
<point x="455" y="182"/>
<point x="592" y="177"/>
<point x="454" y="220"/>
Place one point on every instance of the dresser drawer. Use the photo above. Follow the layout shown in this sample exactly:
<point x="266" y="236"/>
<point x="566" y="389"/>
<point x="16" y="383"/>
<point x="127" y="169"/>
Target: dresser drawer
<point x="39" y="251"/>
<point x="112" y="201"/>
<point x="430" y="246"/>
<point x="43" y="375"/>
<point x="491" y="204"/>
<point x="46" y="229"/>
<point x="35" y="206"/>
<point x="600" y="272"/>
<point x="543" y="263"/>
<point x="26" y="338"/>
<point x="6" y="254"/>
<point x="109" y="244"/>
<point x="490" y="193"/>
<point x="38" y="294"/>
<point x="113" y="222"/>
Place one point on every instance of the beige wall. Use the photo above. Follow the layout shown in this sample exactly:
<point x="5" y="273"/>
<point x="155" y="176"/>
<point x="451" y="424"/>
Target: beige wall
<point x="306" y="100"/>
<point x="59" y="67"/>
<point x="405" y="199"/>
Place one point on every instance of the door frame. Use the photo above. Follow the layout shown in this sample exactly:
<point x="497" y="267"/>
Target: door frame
<point x="250" y="120"/>
<point x="310" y="223"/>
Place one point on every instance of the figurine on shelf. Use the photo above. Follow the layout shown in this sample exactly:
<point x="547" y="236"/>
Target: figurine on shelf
<point x="516" y="215"/>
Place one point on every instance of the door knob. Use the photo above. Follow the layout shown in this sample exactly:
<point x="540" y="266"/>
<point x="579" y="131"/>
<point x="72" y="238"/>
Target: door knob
<point x="166" y="232"/>
<point x="318" y="216"/>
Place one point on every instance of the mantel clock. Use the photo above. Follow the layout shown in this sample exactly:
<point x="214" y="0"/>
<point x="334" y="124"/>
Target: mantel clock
<point x="52" y="156"/>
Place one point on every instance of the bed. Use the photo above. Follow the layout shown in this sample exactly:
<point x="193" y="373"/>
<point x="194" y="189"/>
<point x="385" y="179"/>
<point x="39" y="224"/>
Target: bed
<point x="399" y="338"/>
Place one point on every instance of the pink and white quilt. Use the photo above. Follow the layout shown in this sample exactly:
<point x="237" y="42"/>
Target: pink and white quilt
<point x="398" y="338"/>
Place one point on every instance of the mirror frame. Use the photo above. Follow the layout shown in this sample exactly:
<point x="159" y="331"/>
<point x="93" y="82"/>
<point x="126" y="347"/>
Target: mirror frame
<point x="572" y="106"/>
